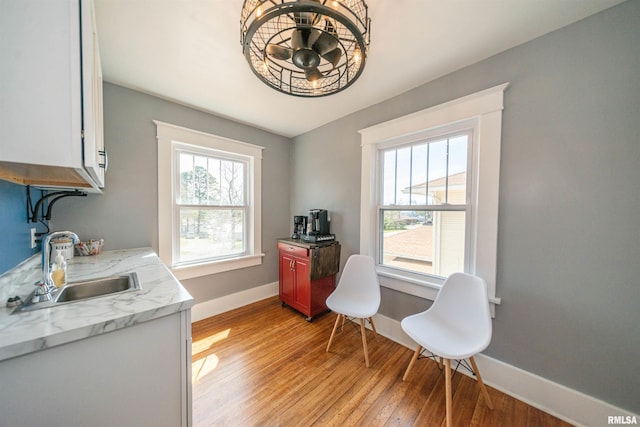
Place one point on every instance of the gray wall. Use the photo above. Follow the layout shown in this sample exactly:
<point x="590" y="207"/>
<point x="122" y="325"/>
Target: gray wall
<point x="569" y="240"/>
<point x="125" y="215"/>
<point x="569" y="236"/>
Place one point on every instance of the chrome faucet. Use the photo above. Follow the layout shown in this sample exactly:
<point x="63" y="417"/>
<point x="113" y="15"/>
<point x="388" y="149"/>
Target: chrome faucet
<point x="46" y="289"/>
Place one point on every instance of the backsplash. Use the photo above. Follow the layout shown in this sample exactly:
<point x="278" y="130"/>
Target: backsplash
<point x="16" y="237"/>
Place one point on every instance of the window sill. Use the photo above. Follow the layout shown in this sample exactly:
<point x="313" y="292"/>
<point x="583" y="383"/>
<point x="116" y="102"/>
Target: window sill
<point x="419" y="287"/>
<point x="407" y="283"/>
<point x="205" y="269"/>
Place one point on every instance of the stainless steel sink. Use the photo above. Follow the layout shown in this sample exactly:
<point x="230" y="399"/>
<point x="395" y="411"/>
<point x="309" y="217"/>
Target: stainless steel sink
<point x="96" y="288"/>
<point x="87" y="289"/>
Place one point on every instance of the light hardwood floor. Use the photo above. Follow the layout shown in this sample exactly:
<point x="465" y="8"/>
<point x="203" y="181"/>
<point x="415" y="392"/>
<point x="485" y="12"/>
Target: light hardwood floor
<point x="264" y="365"/>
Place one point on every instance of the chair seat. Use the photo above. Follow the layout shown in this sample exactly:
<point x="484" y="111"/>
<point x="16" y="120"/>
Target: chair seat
<point x="442" y="338"/>
<point x="352" y="304"/>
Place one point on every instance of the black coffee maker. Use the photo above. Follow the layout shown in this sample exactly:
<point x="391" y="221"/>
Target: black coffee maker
<point x="299" y="226"/>
<point x="318" y="222"/>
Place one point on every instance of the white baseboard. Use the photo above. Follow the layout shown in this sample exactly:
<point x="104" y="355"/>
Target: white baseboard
<point x="229" y="302"/>
<point x="560" y="401"/>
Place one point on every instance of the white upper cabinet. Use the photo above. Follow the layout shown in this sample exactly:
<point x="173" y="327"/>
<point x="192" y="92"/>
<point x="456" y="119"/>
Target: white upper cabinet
<point x="51" y="95"/>
<point x="95" y="156"/>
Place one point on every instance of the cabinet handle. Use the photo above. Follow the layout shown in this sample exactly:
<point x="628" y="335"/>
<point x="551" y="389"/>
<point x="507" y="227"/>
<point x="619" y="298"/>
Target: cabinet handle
<point x="104" y="165"/>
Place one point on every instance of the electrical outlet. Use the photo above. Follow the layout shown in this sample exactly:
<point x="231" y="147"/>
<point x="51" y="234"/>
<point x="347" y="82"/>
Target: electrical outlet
<point x="33" y="238"/>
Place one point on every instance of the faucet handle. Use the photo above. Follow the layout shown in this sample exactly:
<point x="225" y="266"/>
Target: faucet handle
<point x="42" y="293"/>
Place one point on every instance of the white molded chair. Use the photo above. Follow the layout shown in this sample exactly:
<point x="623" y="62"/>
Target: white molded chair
<point x="457" y="326"/>
<point x="357" y="295"/>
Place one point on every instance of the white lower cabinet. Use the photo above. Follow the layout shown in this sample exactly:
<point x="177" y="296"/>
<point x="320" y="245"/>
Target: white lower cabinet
<point x="136" y="376"/>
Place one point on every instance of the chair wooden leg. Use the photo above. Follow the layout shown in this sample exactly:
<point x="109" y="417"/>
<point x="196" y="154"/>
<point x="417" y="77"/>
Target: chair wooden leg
<point x="415" y="356"/>
<point x="440" y="363"/>
<point x="333" y="332"/>
<point x="447" y="386"/>
<point x="342" y="326"/>
<point x="364" y="342"/>
<point x="483" y="389"/>
<point x="375" y="333"/>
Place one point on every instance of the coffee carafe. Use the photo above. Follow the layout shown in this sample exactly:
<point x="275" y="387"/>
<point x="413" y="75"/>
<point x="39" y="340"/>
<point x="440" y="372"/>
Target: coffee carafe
<point x="299" y="226"/>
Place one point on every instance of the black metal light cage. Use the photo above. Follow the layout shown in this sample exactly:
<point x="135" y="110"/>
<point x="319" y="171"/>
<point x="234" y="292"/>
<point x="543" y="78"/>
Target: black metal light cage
<point x="272" y="22"/>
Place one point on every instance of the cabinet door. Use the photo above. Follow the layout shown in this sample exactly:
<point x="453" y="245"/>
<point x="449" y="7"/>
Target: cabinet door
<point x="302" y="293"/>
<point x="287" y="279"/>
<point x="51" y="94"/>
<point x="99" y="381"/>
<point x="40" y="83"/>
<point x="95" y="156"/>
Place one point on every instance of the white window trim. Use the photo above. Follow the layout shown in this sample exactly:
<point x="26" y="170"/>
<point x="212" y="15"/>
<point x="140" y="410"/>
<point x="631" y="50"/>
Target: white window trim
<point x="167" y="134"/>
<point x="484" y="111"/>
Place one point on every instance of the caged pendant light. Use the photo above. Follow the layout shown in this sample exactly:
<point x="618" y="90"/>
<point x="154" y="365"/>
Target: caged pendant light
<point x="306" y="48"/>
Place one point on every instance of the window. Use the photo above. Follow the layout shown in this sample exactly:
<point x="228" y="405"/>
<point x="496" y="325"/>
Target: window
<point x="429" y="194"/>
<point x="208" y="202"/>
<point x="211" y="205"/>
<point x="425" y="205"/>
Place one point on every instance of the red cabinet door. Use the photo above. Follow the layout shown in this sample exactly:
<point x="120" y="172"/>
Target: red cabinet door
<point x="296" y="287"/>
<point x="287" y="279"/>
<point x="302" y="291"/>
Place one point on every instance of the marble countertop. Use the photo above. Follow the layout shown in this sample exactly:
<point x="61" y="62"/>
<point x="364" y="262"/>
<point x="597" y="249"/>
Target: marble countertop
<point x="161" y="294"/>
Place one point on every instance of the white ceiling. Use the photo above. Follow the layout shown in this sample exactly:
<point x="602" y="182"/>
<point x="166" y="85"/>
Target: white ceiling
<point x="189" y="51"/>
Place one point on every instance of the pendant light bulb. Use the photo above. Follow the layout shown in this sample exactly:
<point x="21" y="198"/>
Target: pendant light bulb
<point x="357" y="57"/>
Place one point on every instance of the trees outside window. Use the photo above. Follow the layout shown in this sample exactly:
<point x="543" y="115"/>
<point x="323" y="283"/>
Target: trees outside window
<point x="212" y="206"/>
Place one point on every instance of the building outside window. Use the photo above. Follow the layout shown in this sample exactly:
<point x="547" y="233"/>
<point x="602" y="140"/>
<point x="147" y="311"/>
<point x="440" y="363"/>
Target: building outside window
<point x="425" y="204"/>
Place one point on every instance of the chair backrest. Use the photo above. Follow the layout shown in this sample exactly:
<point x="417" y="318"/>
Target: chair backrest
<point x="464" y="304"/>
<point x="359" y="278"/>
